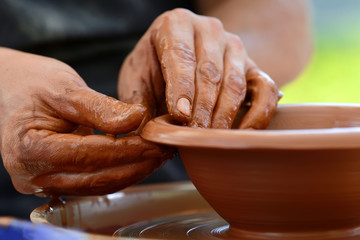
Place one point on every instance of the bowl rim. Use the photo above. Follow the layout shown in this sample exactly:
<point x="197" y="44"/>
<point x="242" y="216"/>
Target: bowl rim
<point x="161" y="130"/>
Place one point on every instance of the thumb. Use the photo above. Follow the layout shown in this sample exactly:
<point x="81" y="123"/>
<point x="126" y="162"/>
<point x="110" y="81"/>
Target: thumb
<point x="92" y="109"/>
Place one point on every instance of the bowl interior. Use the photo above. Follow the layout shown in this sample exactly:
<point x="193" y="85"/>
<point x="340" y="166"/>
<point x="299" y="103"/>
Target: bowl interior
<point x="294" y="126"/>
<point x="315" y="116"/>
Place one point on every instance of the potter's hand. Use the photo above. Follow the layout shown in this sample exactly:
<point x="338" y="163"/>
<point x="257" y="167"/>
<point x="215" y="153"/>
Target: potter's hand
<point x="206" y="71"/>
<point x="47" y="115"/>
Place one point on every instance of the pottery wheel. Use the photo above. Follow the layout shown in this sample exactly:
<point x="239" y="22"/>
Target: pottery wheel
<point x="160" y="211"/>
<point x="192" y="226"/>
<point x="157" y="211"/>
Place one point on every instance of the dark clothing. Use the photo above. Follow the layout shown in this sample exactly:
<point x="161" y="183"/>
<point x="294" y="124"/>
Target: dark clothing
<point x="93" y="37"/>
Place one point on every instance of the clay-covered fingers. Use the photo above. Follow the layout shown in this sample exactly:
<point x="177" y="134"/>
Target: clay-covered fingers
<point x="174" y="43"/>
<point x="99" y="182"/>
<point x="191" y="51"/>
<point x="140" y="79"/>
<point x="209" y="47"/>
<point x="264" y="96"/>
<point x="205" y="73"/>
<point x="233" y="88"/>
<point x="48" y="153"/>
<point x="86" y="107"/>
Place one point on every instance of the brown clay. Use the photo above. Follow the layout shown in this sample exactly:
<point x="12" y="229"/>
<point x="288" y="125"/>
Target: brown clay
<point x="300" y="179"/>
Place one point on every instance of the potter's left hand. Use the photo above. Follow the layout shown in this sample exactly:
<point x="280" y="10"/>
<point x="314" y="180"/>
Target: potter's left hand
<point x="46" y="139"/>
<point x="203" y="71"/>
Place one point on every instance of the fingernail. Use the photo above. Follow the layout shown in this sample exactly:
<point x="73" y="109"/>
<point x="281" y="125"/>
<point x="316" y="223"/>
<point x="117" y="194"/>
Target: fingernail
<point x="183" y="105"/>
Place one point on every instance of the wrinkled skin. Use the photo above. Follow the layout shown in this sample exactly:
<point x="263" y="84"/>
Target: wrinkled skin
<point x="47" y="115"/>
<point x="202" y="70"/>
<point x="48" y="112"/>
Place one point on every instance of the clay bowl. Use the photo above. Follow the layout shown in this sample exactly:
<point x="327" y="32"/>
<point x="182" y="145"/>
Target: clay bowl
<point x="299" y="179"/>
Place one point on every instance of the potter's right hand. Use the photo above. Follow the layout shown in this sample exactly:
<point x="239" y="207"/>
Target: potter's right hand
<point x="47" y="116"/>
<point x="202" y="70"/>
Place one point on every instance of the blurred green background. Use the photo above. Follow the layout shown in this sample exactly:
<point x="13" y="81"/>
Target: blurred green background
<point x="333" y="74"/>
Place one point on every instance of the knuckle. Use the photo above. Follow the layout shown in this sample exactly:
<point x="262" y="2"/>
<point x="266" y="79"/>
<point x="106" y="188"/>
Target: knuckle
<point x="168" y="16"/>
<point x="182" y="12"/>
<point x="209" y="72"/>
<point x="215" y="23"/>
<point x="34" y="155"/>
<point x="16" y="149"/>
<point x="164" y="18"/>
<point x="271" y="84"/>
<point x="178" y="51"/>
<point x="235" y="40"/>
<point x="263" y="82"/>
<point x="79" y="161"/>
<point x="266" y="80"/>
<point x="27" y="148"/>
<point x="235" y="83"/>
<point x="181" y="59"/>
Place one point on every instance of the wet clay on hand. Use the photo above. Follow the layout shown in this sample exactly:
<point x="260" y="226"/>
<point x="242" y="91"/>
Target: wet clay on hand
<point x="199" y="70"/>
<point x="47" y="143"/>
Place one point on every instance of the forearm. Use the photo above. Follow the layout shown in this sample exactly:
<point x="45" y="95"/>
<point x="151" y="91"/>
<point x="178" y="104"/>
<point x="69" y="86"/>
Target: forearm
<point x="276" y="33"/>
